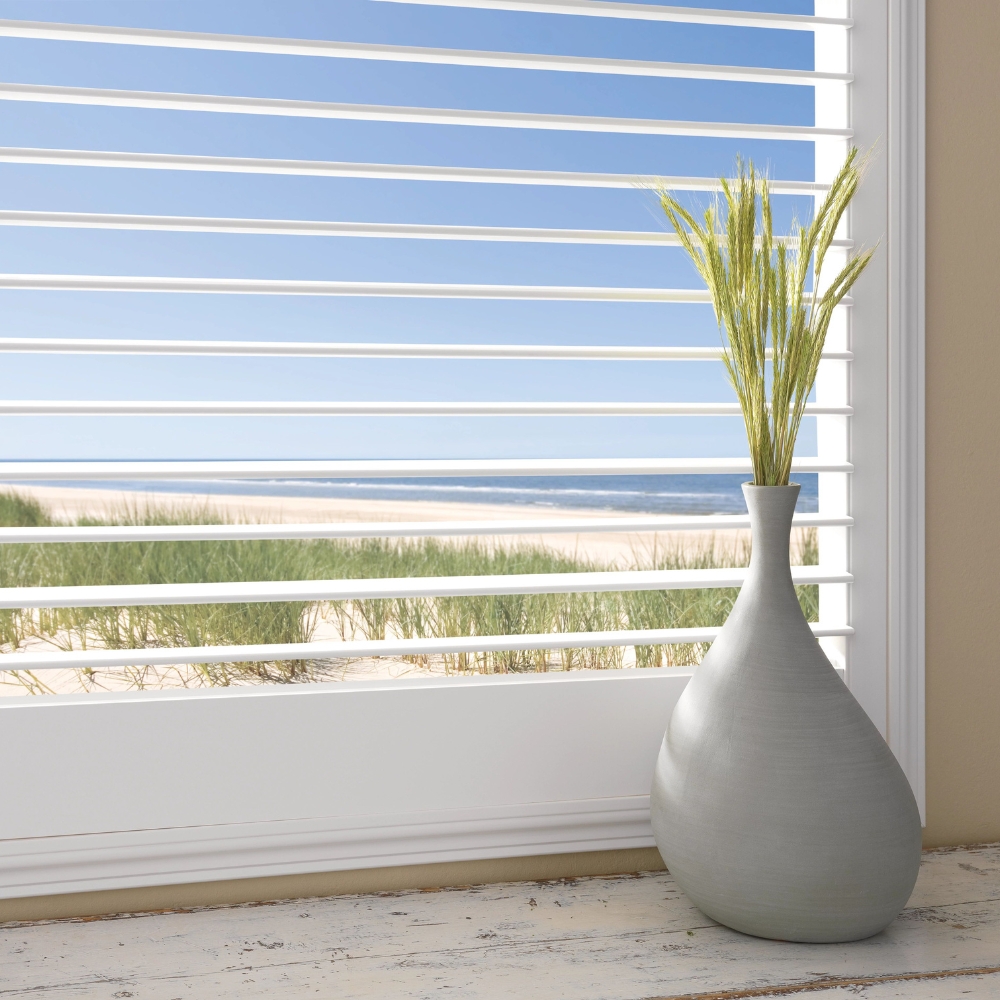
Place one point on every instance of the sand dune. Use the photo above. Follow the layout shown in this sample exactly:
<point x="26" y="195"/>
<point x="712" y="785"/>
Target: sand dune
<point x="625" y="549"/>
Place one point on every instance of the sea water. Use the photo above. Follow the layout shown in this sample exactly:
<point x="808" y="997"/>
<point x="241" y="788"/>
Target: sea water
<point x="668" y="494"/>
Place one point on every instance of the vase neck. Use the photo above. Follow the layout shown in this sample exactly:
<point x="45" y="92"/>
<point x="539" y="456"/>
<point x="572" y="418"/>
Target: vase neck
<point x="771" y="509"/>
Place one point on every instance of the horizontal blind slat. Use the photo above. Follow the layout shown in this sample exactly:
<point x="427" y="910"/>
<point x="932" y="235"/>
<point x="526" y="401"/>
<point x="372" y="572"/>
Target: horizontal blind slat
<point x="375" y="171"/>
<point x="289" y="108"/>
<point x="224" y="408"/>
<point x="381" y="289"/>
<point x="85" y="471"/>
<point x="103" y="658"/>
<point x="377" y="289"/>
<point x="257" y="348"/>
<point x="146" y="595"/>
<point x="396" y="529"/>
<point x="331" y="228"/>
<point x="324" y="48"/>
<point x="648" y="12"/>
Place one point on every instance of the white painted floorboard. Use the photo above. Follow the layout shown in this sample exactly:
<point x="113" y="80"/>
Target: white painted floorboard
<point x="613" y="938"/>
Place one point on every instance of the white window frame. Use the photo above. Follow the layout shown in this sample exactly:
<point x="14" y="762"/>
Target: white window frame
<point x="887" y="448"/>
<point x="155" y="788"/>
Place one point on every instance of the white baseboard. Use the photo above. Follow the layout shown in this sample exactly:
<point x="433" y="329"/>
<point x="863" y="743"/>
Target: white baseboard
<point x="84" y="862"/>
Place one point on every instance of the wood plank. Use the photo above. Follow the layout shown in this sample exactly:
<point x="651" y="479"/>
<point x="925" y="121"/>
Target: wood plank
<point x="979" y="987"/>
<point x="613" y="938"/>
<point x="958" y="875"/>
<point x="946" y="987"/>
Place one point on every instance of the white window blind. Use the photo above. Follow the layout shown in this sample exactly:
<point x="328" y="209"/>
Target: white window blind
<point x="607" y="132"/>
<point x="829" y="135"/>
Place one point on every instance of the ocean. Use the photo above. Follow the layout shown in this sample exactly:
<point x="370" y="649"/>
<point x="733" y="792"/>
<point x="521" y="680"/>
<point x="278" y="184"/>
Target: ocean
<point x="680" y="494"/>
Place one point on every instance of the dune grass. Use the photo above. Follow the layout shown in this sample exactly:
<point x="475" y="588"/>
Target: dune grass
<point x="116" y="563"/>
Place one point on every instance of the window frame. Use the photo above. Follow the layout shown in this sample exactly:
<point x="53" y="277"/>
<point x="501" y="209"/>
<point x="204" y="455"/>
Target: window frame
<point x="155" y="788"/>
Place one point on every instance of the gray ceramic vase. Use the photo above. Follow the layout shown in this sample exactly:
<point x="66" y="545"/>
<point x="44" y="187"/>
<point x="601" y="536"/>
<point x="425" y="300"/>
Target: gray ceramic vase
<point x="776" y="804"/>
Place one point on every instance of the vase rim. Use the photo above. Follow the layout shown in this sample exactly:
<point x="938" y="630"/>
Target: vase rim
<point x="787" y="486"/>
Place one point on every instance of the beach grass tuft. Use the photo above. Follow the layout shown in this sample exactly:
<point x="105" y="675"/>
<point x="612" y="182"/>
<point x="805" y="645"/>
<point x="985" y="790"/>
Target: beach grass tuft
<point x="116" y="563"/>
<point x="774" y="325"/>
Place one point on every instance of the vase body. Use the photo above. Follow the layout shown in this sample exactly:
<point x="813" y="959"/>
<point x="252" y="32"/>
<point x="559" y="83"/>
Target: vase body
<point x="776" y="804"/>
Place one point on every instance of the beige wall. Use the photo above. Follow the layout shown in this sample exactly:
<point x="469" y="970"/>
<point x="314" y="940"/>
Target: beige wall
<point x="963" y="421"/>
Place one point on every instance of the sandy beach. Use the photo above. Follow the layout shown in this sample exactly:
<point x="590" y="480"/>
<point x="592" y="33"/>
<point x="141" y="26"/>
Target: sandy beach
<point x="620" y="549"/>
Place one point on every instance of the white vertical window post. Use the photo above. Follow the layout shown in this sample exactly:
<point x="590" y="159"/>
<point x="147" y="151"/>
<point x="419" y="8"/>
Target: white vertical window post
<point x="833" y="382"/>
<point x="906" y="46"/>
<point x="885" y="547"/>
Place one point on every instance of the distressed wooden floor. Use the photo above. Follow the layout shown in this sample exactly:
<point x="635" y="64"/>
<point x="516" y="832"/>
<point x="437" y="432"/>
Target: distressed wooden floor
<point x="614" y="938"/>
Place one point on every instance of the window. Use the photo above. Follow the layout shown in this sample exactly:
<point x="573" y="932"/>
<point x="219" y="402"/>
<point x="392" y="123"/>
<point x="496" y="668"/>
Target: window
<point x="463" y="242"/>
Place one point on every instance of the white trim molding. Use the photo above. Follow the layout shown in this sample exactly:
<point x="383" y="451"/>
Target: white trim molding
<point x="82" y="863"/>
<point x="258" y="781"/>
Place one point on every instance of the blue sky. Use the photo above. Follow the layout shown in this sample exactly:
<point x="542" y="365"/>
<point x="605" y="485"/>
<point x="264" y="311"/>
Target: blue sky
<point x="254" y="317"/>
